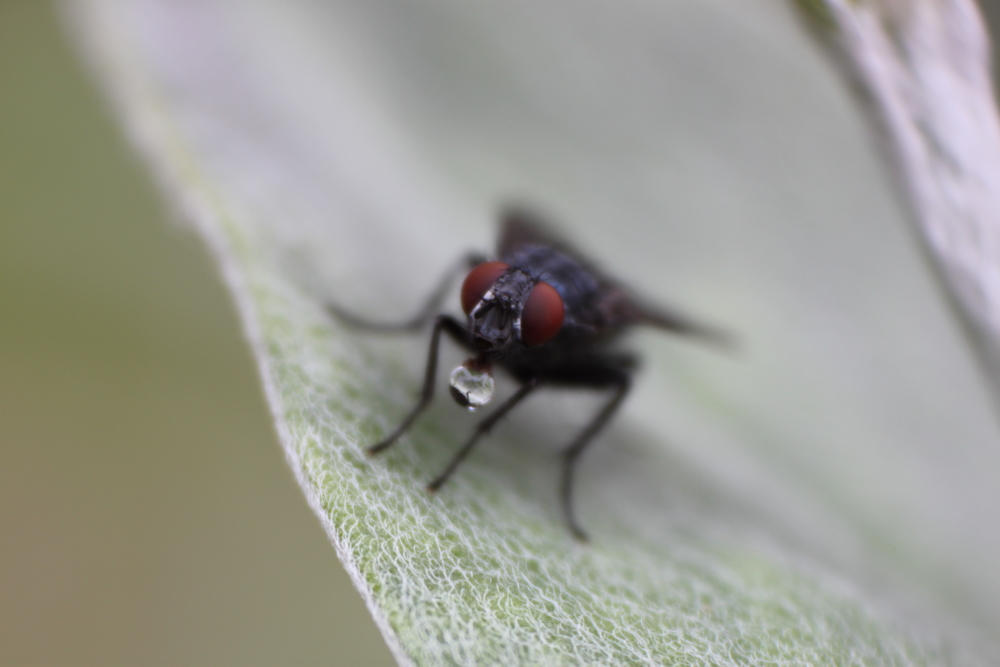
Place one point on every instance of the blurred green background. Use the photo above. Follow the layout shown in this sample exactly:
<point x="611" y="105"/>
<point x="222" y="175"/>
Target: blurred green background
<point x="146" y="513"/>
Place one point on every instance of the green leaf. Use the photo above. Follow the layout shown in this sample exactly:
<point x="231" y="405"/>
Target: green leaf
<point x="824" y="495"/>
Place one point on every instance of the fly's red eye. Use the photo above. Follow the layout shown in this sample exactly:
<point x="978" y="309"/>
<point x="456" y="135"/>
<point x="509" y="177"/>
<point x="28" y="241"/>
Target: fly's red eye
<point x="478" y="283"/>
<point x="542" y="315"/>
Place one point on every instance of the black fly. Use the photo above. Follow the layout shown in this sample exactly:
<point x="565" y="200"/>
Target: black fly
<point x="545" y="315"/>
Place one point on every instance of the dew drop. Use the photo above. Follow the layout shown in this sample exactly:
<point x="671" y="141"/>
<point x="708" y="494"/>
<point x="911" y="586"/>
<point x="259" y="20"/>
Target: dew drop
<point x="471" y="387"/>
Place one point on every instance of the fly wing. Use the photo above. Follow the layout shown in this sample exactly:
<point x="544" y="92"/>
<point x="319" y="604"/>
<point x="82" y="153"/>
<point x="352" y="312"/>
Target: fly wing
<point x="593" y="300"/>
<point x="520" y="227"/>
<point x="670" y="320"/>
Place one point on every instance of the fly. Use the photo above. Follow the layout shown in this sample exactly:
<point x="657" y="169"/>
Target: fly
<point x="549" y="318"/>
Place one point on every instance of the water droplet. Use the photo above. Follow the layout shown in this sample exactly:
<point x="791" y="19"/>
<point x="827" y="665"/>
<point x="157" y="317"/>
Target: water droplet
<point x="471" y="388"/>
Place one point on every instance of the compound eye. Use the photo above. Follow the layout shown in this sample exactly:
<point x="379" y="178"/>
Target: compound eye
<point x="478" y="283"/>
<point x="542" y="315"/>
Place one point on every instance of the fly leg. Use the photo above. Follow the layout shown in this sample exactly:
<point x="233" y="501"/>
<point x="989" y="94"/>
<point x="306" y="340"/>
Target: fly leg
<point x="481" y="429"/>
<point x="456" y="330"/>
<point x="425" y="315"/>
<point x="622" y="382"/>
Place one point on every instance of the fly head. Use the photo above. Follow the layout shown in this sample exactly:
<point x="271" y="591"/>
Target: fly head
<point x="507" y="306"/>
<point x="496" y="319"/>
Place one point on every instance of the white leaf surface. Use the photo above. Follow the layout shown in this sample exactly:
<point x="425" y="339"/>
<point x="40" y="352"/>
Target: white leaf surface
<point x="825" y="495"/>
<point x="925" y="69"/>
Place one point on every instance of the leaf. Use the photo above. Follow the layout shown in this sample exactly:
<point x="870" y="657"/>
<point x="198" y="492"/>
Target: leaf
<point x="925" y="70"/>
<point x="826" y="495"/>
